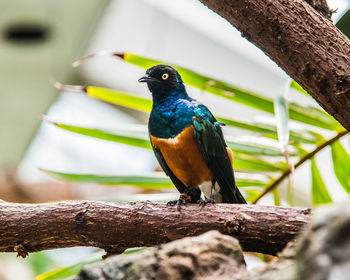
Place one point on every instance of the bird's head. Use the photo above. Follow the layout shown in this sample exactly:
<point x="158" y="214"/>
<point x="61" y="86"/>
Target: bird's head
<point x="162" y="80"/>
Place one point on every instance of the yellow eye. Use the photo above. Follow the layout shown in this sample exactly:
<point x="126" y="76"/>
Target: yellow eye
<point x="165" y="76"/>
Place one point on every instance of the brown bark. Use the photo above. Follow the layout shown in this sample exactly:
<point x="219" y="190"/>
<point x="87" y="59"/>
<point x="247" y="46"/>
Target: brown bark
<point x="115" y="226"/>
<point x="302" y="42"/>
<point x="211" y="255"/>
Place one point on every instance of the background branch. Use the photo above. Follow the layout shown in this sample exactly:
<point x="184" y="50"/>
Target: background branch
<point x="302" y="42"/>
<point x="116" y="226"/>
<point x="303" y="159"/>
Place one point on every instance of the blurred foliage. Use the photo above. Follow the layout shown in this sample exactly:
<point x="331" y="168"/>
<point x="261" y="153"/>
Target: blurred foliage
<point x="40" y="262"/>
<point x="68" y="271"/>
<point x="65" y="272"/>
<point x="343" y="23"/>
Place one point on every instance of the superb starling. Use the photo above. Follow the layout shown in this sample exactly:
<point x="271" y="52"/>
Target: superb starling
<point x="188" y="142"/>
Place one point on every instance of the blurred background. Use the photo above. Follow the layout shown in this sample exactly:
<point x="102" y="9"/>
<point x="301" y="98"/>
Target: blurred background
<point x="40" y="40"/>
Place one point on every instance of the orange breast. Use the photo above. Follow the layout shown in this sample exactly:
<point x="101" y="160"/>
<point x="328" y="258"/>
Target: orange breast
<point x="184" y="158"/>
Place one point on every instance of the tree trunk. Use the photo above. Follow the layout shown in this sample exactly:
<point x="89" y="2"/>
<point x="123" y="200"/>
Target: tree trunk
<point x="302" y="42"/>
<point x="116" y="226"/>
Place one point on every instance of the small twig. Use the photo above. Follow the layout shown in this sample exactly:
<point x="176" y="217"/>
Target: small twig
<point x="308" y="156"/>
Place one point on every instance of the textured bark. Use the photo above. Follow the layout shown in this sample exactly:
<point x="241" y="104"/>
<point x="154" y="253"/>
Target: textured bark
<point x="115" y="226"/>
<point x="321" y="7"/>
<point x="302" y="42"/>
<point x="208" y="256"/>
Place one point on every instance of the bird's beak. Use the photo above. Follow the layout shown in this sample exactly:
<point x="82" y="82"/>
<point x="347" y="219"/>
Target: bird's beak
<point x="147" y="78"/>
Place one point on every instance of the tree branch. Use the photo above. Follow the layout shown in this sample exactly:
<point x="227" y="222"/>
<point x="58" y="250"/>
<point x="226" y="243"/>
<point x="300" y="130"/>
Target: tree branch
<point x="115" y="226"/>
<point x="302" y="42"/>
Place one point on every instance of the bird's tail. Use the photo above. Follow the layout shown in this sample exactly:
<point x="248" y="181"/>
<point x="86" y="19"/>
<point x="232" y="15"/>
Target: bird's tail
<point x="232" y="195"/>
<point x="239" y="197"/>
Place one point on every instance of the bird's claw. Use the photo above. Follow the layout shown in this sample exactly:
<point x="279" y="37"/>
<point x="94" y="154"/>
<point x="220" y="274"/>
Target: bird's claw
<point x="181" y="201"/>
<point x="206" y="201"/>
<point x="172" y="202"/>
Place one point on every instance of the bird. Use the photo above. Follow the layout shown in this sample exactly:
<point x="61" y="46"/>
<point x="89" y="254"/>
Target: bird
<point x="188" y="142"/>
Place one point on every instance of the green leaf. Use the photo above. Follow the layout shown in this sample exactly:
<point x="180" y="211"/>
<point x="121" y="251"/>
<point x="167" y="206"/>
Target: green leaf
<point x="65" y="272"/>
<point x="269" y="130"/>
<point x="204" y="83"/>
<point x="120" y="98"/>
<point x="290" y="190"/>
<point x="282" y="117"/>
<point x="298" y="87"/>
<point x="144" y="105"/>
<point x="141" y="140"/>
<point x="135" y="250"/>
<point x="343" y="24"/>
<point x="313" y="116"/>
<point x="246" y="163"/>
<point x="250" y="182"/>
<point x="276" y="197"/>
<point x="208" y="84"/>
<point x="40" y="262"/>
<point x="255" y="149"/>
<point x="231" y="92"/>
<point x="323" y="115"/>
<point x="341" y="165"/>
<point x="319" y="192"/>
<point x="262" y="129"/>
<point x="135" y="140"/>
<point x="153" y="181"/>
<point x="112" y="96"/>
<point x="250" y="194"/>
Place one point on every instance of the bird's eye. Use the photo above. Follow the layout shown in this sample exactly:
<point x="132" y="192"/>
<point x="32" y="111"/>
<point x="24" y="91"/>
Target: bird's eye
<point x="165" y="76"/>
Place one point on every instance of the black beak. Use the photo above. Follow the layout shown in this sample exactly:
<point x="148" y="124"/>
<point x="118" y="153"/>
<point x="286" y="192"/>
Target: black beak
<point x="147" y="78"/>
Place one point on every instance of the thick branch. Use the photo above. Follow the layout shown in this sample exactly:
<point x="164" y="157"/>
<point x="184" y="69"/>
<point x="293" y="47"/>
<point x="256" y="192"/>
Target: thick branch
<point x="116" y="226"/>
<point x="302" y="42"/>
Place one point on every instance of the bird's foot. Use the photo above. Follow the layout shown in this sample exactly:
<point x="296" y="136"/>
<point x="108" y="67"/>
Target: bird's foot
<point x="172" y="202"/>
<point x="183" y="200"/>
<point x="210" y="200"/>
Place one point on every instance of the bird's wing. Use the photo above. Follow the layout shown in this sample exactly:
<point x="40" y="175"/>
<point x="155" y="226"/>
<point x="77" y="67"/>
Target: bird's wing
<point x="178" y="184"/>
<point x="208" y="134"/>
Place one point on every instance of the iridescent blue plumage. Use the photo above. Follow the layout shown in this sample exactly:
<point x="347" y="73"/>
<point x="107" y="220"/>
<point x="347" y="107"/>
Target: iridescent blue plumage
<point x="173" y="112"/>
<point x="180" y="124"/>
